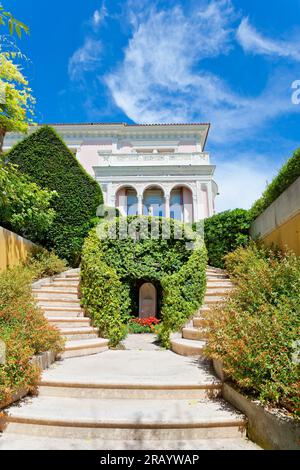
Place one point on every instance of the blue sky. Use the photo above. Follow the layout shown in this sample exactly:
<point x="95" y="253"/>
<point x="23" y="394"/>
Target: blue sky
<point x="231" y="63"/>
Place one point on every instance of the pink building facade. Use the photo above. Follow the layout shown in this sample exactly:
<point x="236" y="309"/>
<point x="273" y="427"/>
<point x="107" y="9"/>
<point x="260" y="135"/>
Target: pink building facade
<point x="160" y="170"/>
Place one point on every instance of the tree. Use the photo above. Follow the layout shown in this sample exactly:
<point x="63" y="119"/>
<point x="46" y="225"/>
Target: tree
<point x="24" y="206"/>
<point x="6" y="18"/>
<point x="16" y="100"/>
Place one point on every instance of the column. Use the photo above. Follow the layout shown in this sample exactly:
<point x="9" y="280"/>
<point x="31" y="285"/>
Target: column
<point x="167" y="206"/>
<point x="140" y="204"/>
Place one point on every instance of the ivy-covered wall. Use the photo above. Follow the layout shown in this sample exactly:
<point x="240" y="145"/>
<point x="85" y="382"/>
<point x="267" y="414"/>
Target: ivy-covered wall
<point x="113" y="266"/>
<point x="48" y="161"/>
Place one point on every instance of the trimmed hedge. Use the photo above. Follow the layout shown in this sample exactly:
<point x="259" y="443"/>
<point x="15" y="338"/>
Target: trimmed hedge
<point x="183" y="294"/>
<point x="47" y="160"/>
<point x="224" y="232"/>
<point x="286" y="176"/>
<point x="256" y="332"/>
<point x="114" y="267"/>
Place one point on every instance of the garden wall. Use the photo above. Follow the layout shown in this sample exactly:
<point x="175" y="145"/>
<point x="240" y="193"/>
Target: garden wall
<point x="13" y="249"/>
<point x="279" y="224"/>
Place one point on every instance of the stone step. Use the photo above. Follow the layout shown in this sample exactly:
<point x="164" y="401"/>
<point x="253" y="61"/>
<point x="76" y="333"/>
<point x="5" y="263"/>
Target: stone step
<point x="128" y="391"/>
<point x="70" y="312"/>
<point x="217" y="276"/>
<point x="199" y="322"/>
<point x="218" y="291"/>
<point x="53" y="287"/>
<point x="125" y="419"/>
<point x="219" y="282"/>
<point x="54" y="294"/>
<point x="216" y="299"/>
<point x="84" y="347"/>
<point x="14" y="441"/>
<point x="186" y="347"/>
<point x="67" y="322"/>
<point x="62" y="303"/>
<point x="194" y="333"/>
<point x="73" y="333"/>
<point x="59" y="281"/>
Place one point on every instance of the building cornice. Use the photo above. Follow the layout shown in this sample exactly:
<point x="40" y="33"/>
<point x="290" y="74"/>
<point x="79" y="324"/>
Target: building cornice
<point x="75" y="134"/>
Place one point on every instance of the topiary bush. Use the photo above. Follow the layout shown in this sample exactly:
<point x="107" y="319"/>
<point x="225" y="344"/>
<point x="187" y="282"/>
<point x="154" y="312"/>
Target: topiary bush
<point x="224" y="232"/>
<point x="114" y="265"/>
<point x="48" y="161"/>
<point x="286" y="176"/>
<point x="256" y="333"/>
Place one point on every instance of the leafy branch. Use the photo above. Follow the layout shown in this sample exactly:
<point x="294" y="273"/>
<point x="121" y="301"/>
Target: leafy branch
<point x="14" y="25"/>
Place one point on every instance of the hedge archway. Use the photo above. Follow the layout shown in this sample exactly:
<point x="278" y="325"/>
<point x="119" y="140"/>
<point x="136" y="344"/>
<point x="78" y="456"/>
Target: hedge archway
<point x="124" y="252"/>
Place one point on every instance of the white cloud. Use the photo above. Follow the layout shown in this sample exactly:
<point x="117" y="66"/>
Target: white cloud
<point x="161" y="80"/>
<point x="157" y="75"/>
<point x="85" y="59"/>
<point x="253" y="41"/>
<point x="241" y="182"/>
<point x="99" y="16"/>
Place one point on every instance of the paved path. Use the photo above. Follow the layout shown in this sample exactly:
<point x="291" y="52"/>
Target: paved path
<point x="142" y="397"/>
<point x="141" y="342"/>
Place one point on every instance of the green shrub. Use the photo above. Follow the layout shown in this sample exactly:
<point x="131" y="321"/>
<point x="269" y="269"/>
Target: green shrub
<point x="126" y="263"/>
<point x="183" y="294"/>
<point x="101" y="292"/>
<point x="24" y="206"/>
<point x="255" y="333"/>
<point x="47" y="160"/>
<point x="224" y="233"/>
<point x="23" y="327"/>
<point x="286" y="176"/>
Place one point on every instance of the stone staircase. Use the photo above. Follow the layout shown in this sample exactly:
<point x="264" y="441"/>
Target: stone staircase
<point x="191" y="340"/>
<point x="58" y="299"/>
<point x="127" y="399"/>
<point x="137" y="398"/>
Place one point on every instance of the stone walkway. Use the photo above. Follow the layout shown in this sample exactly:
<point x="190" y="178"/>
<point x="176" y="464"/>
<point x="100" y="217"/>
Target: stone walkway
<point x="141" y="342"/>
<point x="142" y="397"/>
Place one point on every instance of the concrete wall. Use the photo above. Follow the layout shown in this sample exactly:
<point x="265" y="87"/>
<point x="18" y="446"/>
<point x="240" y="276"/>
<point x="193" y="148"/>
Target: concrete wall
<point x="279" y="224"/>
<point x="13" y="249"/>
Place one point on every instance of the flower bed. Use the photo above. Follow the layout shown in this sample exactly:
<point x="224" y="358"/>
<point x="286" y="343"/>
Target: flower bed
<point x="143" y="325"/>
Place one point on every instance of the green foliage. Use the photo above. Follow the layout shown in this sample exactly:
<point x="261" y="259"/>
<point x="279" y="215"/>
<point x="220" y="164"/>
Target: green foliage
<point x="255" y="333"/>
<point x="126" y="263"/>
<point x="286" y="176"/>
<point x="183" y="293"/>
<point x="23" y="327"/>
<point x="101" y="292"/>
<point x="45" y="157"/>
<point x="224" y="233"/>
<point x="16" y="100"/>
<point x="24" y="206"/>
<point x="6" y="18"/>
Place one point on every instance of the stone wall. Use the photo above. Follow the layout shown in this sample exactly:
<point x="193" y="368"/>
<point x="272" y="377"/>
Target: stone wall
<point x="13" y="249"/>
<point x="279" y="224"/>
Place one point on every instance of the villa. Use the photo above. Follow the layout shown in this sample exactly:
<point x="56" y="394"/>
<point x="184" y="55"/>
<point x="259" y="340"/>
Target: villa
<point x="160" y="170"/>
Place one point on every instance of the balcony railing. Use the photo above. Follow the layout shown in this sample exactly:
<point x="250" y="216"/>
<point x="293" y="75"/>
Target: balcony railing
<point x="146" y="159"/>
